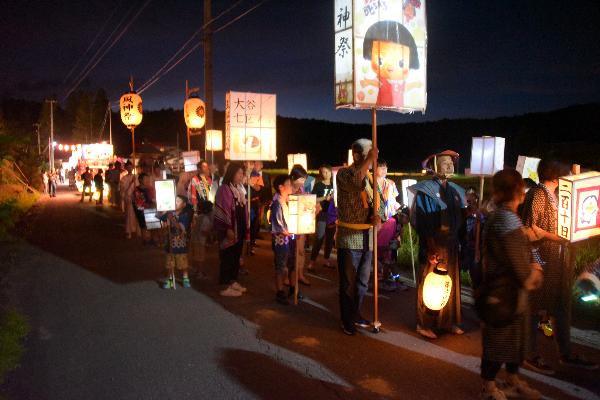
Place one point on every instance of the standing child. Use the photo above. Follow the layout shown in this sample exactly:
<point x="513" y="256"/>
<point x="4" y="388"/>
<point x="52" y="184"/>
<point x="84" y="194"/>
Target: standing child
<point x="178" y="225"/>
<point x="283" y="243"/>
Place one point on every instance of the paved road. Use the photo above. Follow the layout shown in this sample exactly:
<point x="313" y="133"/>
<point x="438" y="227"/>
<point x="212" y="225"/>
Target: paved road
<point x="101" y="328"/>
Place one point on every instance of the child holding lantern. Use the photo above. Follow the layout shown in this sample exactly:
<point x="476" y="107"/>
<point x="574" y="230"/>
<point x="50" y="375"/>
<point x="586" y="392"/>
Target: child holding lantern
<point x="178" y="225"/>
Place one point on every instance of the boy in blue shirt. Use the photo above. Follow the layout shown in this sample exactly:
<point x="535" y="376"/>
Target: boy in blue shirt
<point x="178" y="226"/>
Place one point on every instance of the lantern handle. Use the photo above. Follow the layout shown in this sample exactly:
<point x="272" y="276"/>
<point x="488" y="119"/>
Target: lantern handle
<point x="131" y="82"/>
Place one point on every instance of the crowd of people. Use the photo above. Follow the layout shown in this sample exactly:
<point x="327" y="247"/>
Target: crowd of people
<point x="508" y="245"/>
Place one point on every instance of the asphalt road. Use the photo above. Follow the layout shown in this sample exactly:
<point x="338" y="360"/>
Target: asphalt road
<point x="102" y="328"/>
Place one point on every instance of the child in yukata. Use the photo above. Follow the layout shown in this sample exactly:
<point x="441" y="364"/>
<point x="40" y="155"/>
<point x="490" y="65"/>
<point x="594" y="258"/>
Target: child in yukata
<point x="393" y="53"/>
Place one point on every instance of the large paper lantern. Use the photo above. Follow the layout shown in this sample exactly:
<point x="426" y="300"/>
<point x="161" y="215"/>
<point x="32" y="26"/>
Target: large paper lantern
<point x="487" y="155"/>
<point x="301" y="213"/>
<point x="298" y="158"/>
<point x="214" y="140"/>
<point x="131" y="109"/>
<point x="407" y="195"/>
<point x="437" y="288"/>
<point x="194" y="112"/>
<point x="578" y="206"/>
<point x="380" y="53"/>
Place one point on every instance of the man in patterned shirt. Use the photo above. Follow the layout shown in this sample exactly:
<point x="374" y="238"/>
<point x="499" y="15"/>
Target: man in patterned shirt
<point x="354" y="186"/>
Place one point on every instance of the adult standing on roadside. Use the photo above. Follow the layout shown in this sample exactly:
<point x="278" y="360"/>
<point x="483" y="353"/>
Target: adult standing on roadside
<point x="87" y="178"/>
<point x="142" y="199"/>
<point x="323" y="189"/>
<point x="126" y="188"/>
<point x="99" y="185"/>
<point x="354" y="186"/>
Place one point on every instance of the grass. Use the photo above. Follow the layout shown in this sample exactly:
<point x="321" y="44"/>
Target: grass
<point x="13" y="329"/>
<point x="404" y="256"/>
<point x="14" y="202"/>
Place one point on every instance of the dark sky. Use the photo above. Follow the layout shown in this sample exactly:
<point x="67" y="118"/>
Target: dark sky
<point x="485" y="58"/>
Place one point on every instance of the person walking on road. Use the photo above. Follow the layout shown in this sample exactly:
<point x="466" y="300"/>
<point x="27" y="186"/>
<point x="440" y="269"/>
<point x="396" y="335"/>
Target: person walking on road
<point x="99" y="185"/>
<point x="354" y="186"/>
<point x="178" y="226"/>
<point x="52" y="181"/>
<point x="282" y="242"/>
<point x="126" y="188"/>
<point x="87" y="178"/>
<point x="230" y="222"/>
<point x="511" y="269"/>
<point x="323" y="189"/>
<point x="141" y="201"/>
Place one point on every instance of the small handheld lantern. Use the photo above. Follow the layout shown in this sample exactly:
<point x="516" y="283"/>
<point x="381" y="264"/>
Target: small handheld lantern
<point x="301" y="208"/>
<point x="437" y="289"/>
<point x="298" y="158"/>
<point x="194" y="112"/>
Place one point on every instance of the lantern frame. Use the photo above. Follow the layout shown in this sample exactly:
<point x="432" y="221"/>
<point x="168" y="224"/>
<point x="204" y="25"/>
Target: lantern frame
<point x="302" y="213"/>
<point x="578" y="206"/>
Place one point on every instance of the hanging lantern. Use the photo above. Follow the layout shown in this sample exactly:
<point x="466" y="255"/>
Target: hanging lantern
<point x="214" y="140"/>
<point x="437" y="288"/>
<point x="131" y="109"/>
<point x="487" y="155"/>
<point x="301" y="209"/>
<point x="350" y="158"/>
<point x="60" y="147"/>
<point x="298" y="158"/>
<point x="194" y="112"/>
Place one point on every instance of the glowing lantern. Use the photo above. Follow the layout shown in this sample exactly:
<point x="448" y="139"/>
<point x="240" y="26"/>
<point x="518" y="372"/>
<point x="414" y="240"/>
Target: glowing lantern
<point x="214" y="140"/>
<point x="487" y="155"/>
<point x="298" y="158"/>
<point x="578" y="206"/>
<point x="131" y="109"/>
<point x="194" y="112"/>
<point x="350" y="157"/>
<point x="437" y="288"/>
<point x="407" y="195"/>
<point x="60" y="147"/>
<point x="527" y="167"/>
<point x="301" y="217"/>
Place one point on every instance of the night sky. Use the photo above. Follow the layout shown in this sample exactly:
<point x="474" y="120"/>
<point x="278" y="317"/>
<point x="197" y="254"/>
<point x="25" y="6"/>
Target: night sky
<point x="485" y="58"/>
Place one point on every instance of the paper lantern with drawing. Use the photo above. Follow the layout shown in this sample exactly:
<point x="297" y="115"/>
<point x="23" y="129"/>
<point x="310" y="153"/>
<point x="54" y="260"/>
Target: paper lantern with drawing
<point x="527" y="167"/>
<point x="214" y="140"/>
<point x="437" y="288"/>
<point x="250" y="126"/>
<point x="578" y="206"/>
<point x="380" y="54"/>
<point x="165" y="195"/>
<point x="194" y="112"/>
<point x="131" y="109"/>
<point x="298" y="158"/>
<point x="487" y="155"/>
<point x="301" y="213"/>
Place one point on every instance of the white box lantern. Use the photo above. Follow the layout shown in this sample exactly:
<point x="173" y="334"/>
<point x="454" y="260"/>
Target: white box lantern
<point x="190" y="160"/>
<point x="302" y="213"/>
<point x="165" y="195"/>
<point x="350" y="158"/>
<point x="298" y="158"/>
<point x="250" y="126"/>
<point x="214" y="140"/>
<point x="578" y="204"/>
<point x="407" y="195"/>
<point x="380" y="53"/>
<point x="487" y="155"/>
<point x="527" y="167"/>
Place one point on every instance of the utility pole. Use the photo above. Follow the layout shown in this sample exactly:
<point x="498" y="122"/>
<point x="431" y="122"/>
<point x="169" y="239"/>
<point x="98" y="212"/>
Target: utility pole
<point x="208" y="83"/>
<point x="37" y="130"/>
<point x="51" y="133"/>
<point x="109" y="124"/>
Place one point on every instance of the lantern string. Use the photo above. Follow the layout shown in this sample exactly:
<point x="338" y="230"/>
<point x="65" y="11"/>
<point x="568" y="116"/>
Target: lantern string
<point x="115" y="40"/>
<point x="182" y="48"/>
<point x="152" y="81"/>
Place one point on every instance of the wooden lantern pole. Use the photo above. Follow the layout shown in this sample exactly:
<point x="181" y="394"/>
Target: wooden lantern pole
<point x="187" y="96"/>
<point x="376" y="323"/>
<point x="133" y="148"/>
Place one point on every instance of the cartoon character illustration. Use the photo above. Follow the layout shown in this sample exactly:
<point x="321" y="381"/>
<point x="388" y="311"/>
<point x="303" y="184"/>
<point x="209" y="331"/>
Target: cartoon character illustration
<point x="393" y="53"/>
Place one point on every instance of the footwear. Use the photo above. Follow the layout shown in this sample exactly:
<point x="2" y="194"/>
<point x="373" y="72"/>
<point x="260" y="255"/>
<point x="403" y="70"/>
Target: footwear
<point x="578" y="362"/>
<point x="348" y="329"/>
<point x="230" y="292"/>
<point x="304" y="282"/>
<point x="310" y="267"/>
<point x="167" y="284"/>
<point x="281" y="298"/>
<point x="362" y="322"/>
<point x="538" y="364"/>
<point x="238" y="287"/>
<point x="186" y="282"/>
<point x="201" y="276"/>
<point x="456" y="330"/>
<point x="495" y="394"/>
<point x="291" y="293"/>
<point x="520" y="390"/>
<point x="428" y="333"/>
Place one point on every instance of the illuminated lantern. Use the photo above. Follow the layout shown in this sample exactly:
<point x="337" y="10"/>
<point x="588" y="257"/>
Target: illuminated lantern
<point x="407" y="195"/>
<point x="60" y="147"/>
<point x="487" y="155"/>
<point x="194" y="112"/>
<point x="437" y="288"/>
<point x="298" y="158"/>
<point x="527" y="167"/>
<point x="350" y="157"/>
<point x="578" y="206"/>
<point x="214" y="140"/>
<point x="301" y="217"/>
<point x="131" y="109"/>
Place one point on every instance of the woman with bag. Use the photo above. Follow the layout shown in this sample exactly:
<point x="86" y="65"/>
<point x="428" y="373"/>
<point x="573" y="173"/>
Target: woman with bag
<point x="511" y="270"/>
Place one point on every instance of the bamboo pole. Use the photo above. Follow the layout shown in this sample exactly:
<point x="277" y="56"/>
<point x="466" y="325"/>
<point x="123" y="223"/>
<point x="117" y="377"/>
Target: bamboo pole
<point x="376" y="323"/>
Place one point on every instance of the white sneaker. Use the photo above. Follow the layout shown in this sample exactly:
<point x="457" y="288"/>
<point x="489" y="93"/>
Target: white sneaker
<point x="230" y="292"/>
<point x="238" y="287"/>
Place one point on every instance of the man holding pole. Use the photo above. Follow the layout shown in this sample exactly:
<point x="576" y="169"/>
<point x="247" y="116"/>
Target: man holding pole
<point x="354" y="186"/>
<point x="438" y="216"/>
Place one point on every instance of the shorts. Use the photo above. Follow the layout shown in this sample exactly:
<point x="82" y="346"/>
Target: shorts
<point x="284" y="253"/>
<point x="179" y="261"/>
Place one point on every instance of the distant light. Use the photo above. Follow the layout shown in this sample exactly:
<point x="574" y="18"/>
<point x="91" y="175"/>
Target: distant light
<point x="589" y="297"/>
<point x="423" y="171"/>
<point x="60" y="147"/>
<point x="72" y="147"/>
<point x="54" y="144"/>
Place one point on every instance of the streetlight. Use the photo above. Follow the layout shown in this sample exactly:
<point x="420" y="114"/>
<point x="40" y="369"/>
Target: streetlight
<point x="131" y="114"/>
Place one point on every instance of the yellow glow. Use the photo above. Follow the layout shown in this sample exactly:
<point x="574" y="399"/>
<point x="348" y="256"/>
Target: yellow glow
<point x="194" y="112"/>
<point x="131" y="109"/>
<point x="301" y="212"/>
<point x="298" y="158"/>
<point x="214" y="140"/>
<point x="436" y="290"/>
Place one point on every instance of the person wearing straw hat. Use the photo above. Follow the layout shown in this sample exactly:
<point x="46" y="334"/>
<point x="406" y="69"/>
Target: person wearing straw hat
<point x="437" y="215"/>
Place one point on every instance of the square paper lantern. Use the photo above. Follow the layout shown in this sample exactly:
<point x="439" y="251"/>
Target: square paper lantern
<point x="250" y="126"/>
<point x="298" y="158"/>
<point x="190" y="160"/>
<point x="350" y="158"/>
<point x="380" y="53"/>
<point x="527" y="167"/>
<point x="214" y="140"/>
<point x="165" y="195"/>
<point x="301" y="213"/>
<point x="407" y="195"/>
<point x="487" y="155"/>
<point x="578" y="203"/>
